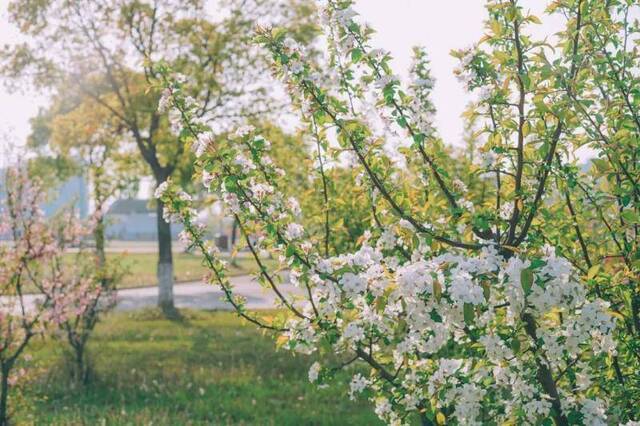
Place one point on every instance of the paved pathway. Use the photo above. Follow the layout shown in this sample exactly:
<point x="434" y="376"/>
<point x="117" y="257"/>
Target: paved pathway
<point x="194" y="295"/>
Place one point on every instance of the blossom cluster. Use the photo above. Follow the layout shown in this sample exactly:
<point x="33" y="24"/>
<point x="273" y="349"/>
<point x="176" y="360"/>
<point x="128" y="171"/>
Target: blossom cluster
<point x="465" y="331"/>
<point x="449" y="323"/>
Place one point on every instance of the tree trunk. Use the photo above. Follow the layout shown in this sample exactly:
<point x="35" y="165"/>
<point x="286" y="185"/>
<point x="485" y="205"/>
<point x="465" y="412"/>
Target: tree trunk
<point x="4" y="394"/>
<point x="165" y="263"/>
<point x="99" y="230"/>
<point x="101" y="259"/>
<point x="82" y="370"/>
<point x="544" y="376"/>
<point x="98" y="235"/>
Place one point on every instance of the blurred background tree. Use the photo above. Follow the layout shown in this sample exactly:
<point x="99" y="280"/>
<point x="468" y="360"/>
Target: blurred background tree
<point x="99" y="55"/>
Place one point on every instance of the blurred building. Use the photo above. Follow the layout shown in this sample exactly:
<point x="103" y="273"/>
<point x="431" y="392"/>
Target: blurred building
<point x="133" y="219"/>
<point x="73" y="192"/>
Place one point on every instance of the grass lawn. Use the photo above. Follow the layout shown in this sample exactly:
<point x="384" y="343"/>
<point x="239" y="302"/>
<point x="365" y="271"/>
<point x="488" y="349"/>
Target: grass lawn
<point x="210" y="368"/>
<point x="140" y="268"/>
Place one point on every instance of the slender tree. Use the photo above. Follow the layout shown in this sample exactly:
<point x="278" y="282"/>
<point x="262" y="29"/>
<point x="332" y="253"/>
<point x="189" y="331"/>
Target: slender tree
<point x="107" y="49"/>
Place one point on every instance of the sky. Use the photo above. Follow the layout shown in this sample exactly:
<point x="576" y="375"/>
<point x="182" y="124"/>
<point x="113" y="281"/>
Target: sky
<point x="438" y="25"/>
<point x="15" y="108"/>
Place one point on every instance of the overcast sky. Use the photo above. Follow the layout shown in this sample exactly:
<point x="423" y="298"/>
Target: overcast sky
<point x="15" y="109"/>
<point x="436" y="24"/>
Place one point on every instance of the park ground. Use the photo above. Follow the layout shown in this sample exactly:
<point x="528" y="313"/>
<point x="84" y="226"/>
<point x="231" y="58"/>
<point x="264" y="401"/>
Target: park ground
<point x="140" y="268"/>
<point x="207" y="368"/>
<point x="210" y="367"/>
<point x="137" y="261"/>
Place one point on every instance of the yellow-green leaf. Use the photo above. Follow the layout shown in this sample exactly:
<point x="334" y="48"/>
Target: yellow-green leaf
<point x="437" y="290"/>
<point x="616" y="315"/>
<point x="534" y="19"/>
<point x="593" y="271"/>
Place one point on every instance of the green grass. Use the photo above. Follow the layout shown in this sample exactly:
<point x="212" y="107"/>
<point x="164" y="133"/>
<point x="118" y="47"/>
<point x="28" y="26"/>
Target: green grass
<point x="140" y="268"/>
<point x="208" y="369"/>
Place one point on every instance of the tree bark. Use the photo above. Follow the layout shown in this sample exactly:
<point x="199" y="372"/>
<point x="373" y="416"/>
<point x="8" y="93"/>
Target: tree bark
<point x="165" y="263"/>
<point x="101" y="258"/>
<point x="544" y="376"/>
<point x="98" y="235"/>
<point x="82" y="370"/>
<point x="4" y="394"/>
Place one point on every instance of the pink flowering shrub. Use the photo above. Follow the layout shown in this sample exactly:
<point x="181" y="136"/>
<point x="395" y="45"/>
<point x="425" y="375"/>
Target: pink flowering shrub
<point x="87" y="293"/>
<point x="29" y="249"/>
<point x="31" y="259"/>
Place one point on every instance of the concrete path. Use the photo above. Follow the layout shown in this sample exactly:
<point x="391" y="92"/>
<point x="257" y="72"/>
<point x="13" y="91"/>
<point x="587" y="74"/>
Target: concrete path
<point x="194" y="295"/>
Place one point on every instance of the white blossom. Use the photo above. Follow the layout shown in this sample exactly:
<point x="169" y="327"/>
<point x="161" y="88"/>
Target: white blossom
<point x="244" y="130"/>
<point x="353" y="283"/>
<point x="314" y="371"/>
<point x="165" y="100"/>
<point x="161" y="189"/>
<point x="358" y="384"/>
<point x="202" y="143"/>
<point x="294" y="231"/>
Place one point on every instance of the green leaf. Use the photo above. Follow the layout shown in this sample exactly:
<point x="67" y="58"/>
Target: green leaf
<point x="486" y="290"/>
<point x="419" y="138"/>
<point x="356" y="55"/>
<point x="601" y="165"/>
<point x="278" y="34"/>
<point x="537" y="263"/>
<point x="381" y="303"/>
<point x="469" y="314"/>
<point x="515" y="345"/>
<point x="290" y="251"/>
<point x="629" y="216"/>
<point x="526" y="280"/>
